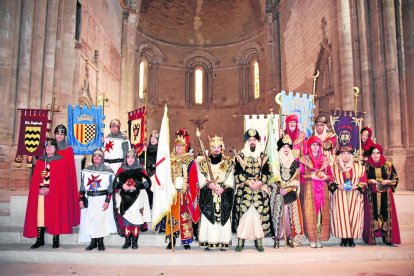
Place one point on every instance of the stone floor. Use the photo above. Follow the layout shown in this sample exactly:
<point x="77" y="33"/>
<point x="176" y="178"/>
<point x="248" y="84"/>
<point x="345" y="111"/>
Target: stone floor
<point x="16" y="257"/>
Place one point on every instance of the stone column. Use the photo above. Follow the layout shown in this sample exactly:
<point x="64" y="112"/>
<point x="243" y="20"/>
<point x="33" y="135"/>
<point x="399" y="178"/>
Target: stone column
<point x="36" y="68"/>
<point x="366" y="64"/>
<point x="345" y="54"/>
<point x="129" y="70"/>
<point x="50" y="51"/>
<point x="408" y="34"/>
<point x="24" y="60"/>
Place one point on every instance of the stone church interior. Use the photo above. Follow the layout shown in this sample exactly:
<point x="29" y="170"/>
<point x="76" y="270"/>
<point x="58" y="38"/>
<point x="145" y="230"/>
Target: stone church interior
<point x="125" y="54"/>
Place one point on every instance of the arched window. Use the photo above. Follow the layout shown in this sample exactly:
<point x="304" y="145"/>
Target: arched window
<point x="143" y="78"/>
<point x="198" y="85"/>
<point x="256" y="80"/>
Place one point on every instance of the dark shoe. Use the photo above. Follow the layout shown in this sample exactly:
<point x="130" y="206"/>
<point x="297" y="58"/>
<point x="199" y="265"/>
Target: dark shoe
<point x="351" y="243"/>
<point x="207" y="249"/>
<point x="55" y="241"/>
<point x="127" y="243"/>
<point x="276" y="245"/>
<point x="343" y="242"/>
<point x="240" y="245"/>
<point x="101" y="246"/>
<point x="40" y="241"/>
<point x="134" y="244"/>
<point x="144" y="227"/>
<point x="259" y="245"/>
<point x="290" y="243"/>
<point x="93" y="244"/>
<point x="187" y="247"/>
<point x="385" y="241"/>
<point x="169" y="244"/>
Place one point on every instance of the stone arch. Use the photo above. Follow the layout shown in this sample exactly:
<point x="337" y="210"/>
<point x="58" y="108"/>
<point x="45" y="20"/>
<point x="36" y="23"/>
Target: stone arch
<point x="191" y="62"/>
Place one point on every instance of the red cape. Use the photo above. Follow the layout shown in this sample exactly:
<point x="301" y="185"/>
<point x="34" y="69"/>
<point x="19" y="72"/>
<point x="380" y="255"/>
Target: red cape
<point x="57" y="202"/>
<point x="72" y="188"/>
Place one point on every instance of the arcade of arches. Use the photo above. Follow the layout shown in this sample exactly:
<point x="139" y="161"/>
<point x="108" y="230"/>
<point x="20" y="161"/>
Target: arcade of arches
<point x="239" y="52"/>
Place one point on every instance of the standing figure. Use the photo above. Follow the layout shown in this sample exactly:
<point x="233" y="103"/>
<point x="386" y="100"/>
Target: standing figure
<point x="347" y="200"/>
<point x="316" y="174"/>
<point x="97" y="220"/>
<point x="184" y="210"/>
<point x="328" y="138"/>
<point x="298" y="137"/>
<point x="366" y="143"/>
<point x="66" y="151"/>
<point x="251" y="212"/>
<point x="380" y="213"/>
<point x="131" y="200"/>
<point x="216" y="197"/>
<point x="116" y="146"/>
<point x="49" y="199"/>
<point x="284" y="202"/>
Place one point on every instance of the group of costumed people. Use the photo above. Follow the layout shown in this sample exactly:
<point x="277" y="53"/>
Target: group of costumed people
<point x="318" y="190"/>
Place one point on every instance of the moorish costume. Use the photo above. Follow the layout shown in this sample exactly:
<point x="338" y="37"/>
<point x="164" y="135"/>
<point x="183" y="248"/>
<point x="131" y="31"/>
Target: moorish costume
<point x="298" y="137"/>
<point x="328" y="138"/>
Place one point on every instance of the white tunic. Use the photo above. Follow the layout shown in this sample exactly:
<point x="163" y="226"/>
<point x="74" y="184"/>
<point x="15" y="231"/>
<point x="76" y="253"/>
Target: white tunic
<point x="113" y="150"/>
<point x="95" y="222"/>
<point x="139" y="212"/>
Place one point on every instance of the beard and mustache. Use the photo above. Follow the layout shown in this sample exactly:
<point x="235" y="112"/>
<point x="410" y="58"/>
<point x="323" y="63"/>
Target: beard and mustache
<point x="252" y="147"/>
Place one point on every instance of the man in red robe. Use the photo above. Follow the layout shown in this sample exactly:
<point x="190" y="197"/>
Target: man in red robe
<point x="48" y="202"/>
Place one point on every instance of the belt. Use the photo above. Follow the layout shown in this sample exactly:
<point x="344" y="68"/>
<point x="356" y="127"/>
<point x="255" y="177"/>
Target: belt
<point x="110" y="161"/>
<point x="44" y="186"/>
<point x="97" y="193"/>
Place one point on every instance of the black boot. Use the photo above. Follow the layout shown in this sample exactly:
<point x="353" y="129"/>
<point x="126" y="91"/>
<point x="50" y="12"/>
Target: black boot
<point x="351" y="243"/>
<point x="259" y="245"/>
<point x="134" y="242"/>
<point x="169" y="244"/>
<point x="55" y="241"/>
<point x="93" y="244"/>
<point x="187" y="246"/>
<point x="290" y="243"/>
<point x="276" y="245"/>
<point x="343" y="242"/>
<point x="101" y="246"/>
<point x="127" y="243"/>
<point x="40" y="238"/>
<point x="240" y="245"/>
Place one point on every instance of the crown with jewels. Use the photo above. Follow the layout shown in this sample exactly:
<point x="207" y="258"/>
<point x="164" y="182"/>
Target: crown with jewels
<point x="216" y="141"/>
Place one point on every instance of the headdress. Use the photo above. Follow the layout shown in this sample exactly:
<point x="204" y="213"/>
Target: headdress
<point x="292" y="117"/>
<point x="182" y="137"/>
<point x="321" y="119"/>
<point x="131" y="153"/>
<point x="382" y="158"/>
<point x="61" y="129"/>
<point x="115" y="122"/>
<point x="216" y="141"/>
<point x="284" y="140"/>
<point x="345" y="149"/>
<point x="51" y="142"/>
<point x="98" y="152"/>
<point x="251" y="133"/>
<point x="155" y="134"/>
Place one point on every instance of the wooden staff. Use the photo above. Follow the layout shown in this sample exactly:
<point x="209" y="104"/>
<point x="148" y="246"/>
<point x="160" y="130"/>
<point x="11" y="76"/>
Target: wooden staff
<point x="145" y="136"/>
<point x="52" y="108"/>
<point x="314" y="86"/>
<point x="210" y="171"/>
<point x="356" y="94"/>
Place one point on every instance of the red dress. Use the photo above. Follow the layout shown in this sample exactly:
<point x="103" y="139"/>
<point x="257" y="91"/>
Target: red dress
<point x="58" y="203"/>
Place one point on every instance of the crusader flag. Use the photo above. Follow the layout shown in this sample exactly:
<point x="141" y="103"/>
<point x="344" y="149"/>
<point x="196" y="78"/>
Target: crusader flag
<point x="137" y="124"/>
<point x="85" y="128"/>
<point x="346" y="125"/>
<point x="32" y="134"/>
<point x="301" y="105"/>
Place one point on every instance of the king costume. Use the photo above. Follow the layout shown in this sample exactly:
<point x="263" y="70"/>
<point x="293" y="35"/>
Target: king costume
<point x="251" y="212"/>
<point x="216" y="197"/>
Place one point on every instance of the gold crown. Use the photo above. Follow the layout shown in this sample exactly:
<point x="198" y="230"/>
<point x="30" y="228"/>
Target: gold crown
<point x="180" y="140"/>
<point x="155" y="133"/>
<point x="216" y="141"/>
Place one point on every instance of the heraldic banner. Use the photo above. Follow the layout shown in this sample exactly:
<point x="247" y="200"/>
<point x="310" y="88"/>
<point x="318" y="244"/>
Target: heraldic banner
<point x="346" y="125"/>
<point x="301" y="105"/>
<point x="85" y="128"/>
<point x="32" y="134"/>
<point x="137" y="120"/>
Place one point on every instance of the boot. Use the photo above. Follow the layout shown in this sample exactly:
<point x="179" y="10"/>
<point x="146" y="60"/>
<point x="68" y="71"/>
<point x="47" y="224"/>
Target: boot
<point x="240" y="245"/>
<point x="289" y="243"/>
<point x="276" y="245"/>
<point x="343" y="242"/>
<point x="169" y="244"/>
<point x="259" y="245"/>
<point x="187" y="246"/>
<point x="351" y="243"/>
<point x="40" y="238"/>
<point x="93" y="244"/>
<point x="55" y="241"/>
<point x="101" y="246"/>
<point x="319" y="244"/>
<point x="134" y="243"/>
<point x="127" y="243"/>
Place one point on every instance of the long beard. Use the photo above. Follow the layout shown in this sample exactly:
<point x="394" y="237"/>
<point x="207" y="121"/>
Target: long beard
<point x="252" y="148"/>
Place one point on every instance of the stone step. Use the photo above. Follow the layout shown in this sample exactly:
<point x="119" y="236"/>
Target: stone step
<point x="155" y="256"/>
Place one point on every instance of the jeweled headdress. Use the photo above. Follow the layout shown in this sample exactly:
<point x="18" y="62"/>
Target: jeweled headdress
<point x="216" y="141"/>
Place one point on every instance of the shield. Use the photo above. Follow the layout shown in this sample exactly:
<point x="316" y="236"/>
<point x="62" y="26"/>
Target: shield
<point x="32" y="138"/>
<point x="84" y="133"/>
